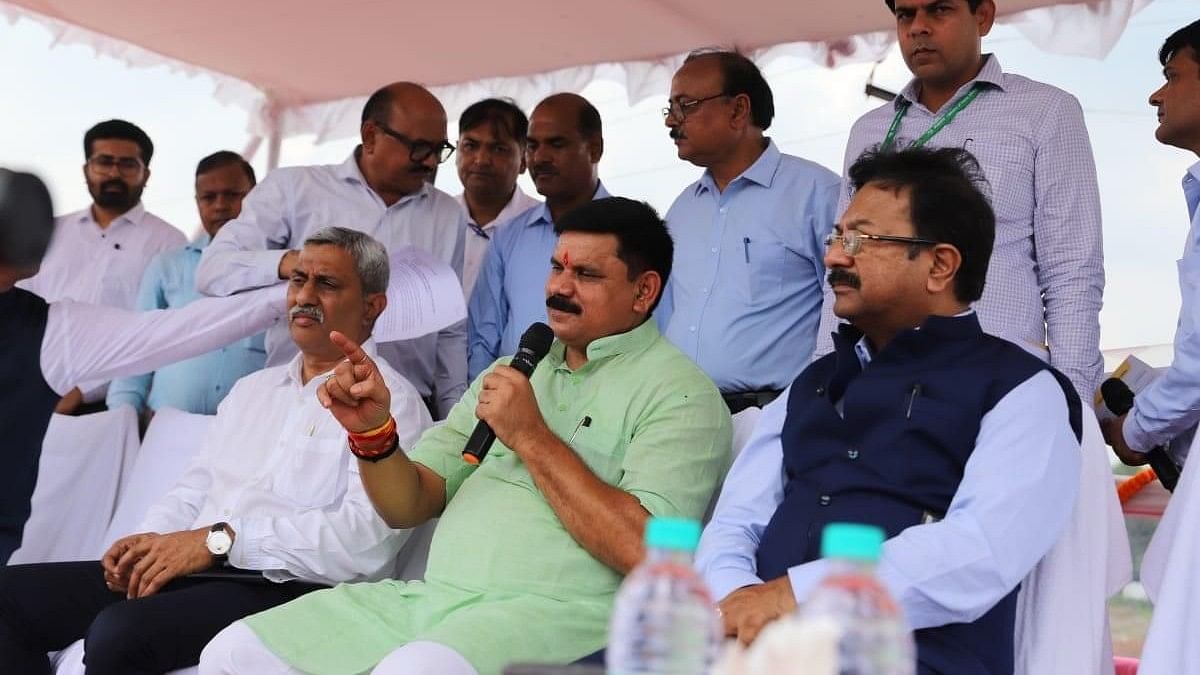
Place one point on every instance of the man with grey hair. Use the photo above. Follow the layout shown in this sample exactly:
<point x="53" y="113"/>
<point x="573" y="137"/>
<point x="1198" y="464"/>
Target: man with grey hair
<point x="271" y="508"/>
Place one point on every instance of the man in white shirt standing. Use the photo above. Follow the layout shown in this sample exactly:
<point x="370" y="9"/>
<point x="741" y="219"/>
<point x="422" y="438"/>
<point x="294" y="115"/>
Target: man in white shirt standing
<point x="273" y="492"/>
<point x="98" y="254"/>
<point x="380" y="190"/>
<point x="491" y="155"/>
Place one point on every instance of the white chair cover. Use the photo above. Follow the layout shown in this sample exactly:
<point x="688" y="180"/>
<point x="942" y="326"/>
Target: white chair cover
<point x="172" y="439"/>
<point x="1170" y="570"/>
<point x="1062" y="609"/>
<point x="84" y="461"/>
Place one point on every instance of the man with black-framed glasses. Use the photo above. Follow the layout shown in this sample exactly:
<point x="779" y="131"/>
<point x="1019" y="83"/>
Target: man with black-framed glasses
<point x="99" y="253"/>
<point x="746" y="295"/>
<point x="382" y="189"/>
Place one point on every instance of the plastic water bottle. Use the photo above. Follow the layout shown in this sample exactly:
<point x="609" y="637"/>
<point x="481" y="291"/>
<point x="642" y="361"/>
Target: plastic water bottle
<point x="875" y="639"/>
<point x="664" y="621"/>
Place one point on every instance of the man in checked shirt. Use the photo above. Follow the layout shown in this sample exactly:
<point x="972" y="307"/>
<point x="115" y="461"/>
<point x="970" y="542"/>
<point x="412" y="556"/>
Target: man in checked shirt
<point x="1045" y="283"/>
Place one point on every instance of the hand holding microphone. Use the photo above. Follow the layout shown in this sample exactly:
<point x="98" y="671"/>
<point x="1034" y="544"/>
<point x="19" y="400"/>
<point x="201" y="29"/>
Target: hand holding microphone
<point x="507" y="406"/>
<point x="1118" y="398"/>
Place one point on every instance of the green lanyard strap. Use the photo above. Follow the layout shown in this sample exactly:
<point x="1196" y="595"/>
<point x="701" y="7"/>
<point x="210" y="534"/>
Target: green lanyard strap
<point x="940" y="123"/>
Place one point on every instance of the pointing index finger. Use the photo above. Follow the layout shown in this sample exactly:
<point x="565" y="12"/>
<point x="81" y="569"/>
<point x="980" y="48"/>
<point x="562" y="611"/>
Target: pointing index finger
<point x="352" y="351"/>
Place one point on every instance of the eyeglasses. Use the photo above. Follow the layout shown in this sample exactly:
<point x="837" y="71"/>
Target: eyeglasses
<point x="126" y="166"/>
<point x="852" y="240"/>
<point x="419" y="151"/>
<point x="681" y="109"/>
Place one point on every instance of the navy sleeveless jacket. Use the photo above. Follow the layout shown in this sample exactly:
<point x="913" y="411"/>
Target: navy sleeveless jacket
<point x="26" y="403"/>
<point x="897" y="456"/>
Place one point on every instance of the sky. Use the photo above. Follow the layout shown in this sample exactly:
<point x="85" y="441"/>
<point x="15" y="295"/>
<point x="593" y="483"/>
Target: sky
<point x="53" y="93"/>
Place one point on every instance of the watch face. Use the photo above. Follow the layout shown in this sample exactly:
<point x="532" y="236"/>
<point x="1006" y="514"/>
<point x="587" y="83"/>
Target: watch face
<point x="218" y="543"/>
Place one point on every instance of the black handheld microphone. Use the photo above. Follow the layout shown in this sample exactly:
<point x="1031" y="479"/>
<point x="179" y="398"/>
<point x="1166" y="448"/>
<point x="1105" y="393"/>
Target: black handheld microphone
<point x="534" y="345"/>
<point x="1118" y="398"/>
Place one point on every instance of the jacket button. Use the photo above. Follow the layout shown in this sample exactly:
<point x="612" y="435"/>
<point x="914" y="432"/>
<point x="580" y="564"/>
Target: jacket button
<point x="852" y="453"/>
<point x="820" y="391"/>
<point x="824" y="500"/>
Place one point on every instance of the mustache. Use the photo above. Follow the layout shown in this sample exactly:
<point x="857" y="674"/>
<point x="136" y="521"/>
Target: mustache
<point x="562" y="304"/>
<point x="542" y="170"/>
<point x="676" y="133"/>
<point x="311" y="311"/>
<point x="420" y="169"/>
<point x="841" y="276"/>
<point x="115" y="183"/>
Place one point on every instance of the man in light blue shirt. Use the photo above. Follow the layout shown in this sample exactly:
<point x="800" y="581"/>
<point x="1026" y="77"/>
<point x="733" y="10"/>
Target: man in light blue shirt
<point x="1171" y="404"/>
<point x="912" y="425"/>
<point x="382" y="190"/>
<point x="198" y="384"/>
<point x="745" y="298"/>
<point x="562" y="151"/>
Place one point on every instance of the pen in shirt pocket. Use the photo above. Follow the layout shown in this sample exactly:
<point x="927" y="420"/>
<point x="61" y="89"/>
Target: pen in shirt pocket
<point x="585" y="422"/>
<point x="746" y="248"/>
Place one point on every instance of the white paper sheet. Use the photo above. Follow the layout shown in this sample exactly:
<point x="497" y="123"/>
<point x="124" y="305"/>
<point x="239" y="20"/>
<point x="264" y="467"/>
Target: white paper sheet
<point x="424" y="296"/>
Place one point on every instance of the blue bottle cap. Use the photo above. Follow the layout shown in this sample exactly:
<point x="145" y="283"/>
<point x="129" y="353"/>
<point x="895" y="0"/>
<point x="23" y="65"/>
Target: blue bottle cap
<point x="677" y="534"/>
<point x="852" y="541"/>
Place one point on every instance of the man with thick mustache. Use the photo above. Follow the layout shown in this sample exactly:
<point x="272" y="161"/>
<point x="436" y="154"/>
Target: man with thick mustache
<point x="98" y="254"/>
<point x="381" y="189"/>
<point x="1046" y="279"/>
<point x="562" y="152"/>
<point x="746" y="297"/>
<point x="272" y="502"/>
<point x="614" y="425"/>
<point x="199" y="384"/>
<point x="913" y="425"/>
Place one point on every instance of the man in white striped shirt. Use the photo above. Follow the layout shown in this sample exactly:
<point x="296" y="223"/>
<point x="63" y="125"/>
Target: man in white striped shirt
<point x="1045" y="283"/>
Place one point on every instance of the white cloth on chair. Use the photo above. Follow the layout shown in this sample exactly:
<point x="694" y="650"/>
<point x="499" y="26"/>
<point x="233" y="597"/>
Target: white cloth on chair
<point x="83" y="464"/>
<point x="171" y="440"/>
<point x="1169" y="573"/>
<point x="1062" y="609"/>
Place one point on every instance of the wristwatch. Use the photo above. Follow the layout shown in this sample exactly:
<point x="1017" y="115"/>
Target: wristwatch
<point x="219" y="542"/>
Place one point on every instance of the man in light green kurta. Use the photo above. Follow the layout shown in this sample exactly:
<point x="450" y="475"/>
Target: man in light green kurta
<point x="533" y="542"/>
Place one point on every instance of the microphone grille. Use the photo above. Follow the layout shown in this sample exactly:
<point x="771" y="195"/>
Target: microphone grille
<point x="537" y="339"/>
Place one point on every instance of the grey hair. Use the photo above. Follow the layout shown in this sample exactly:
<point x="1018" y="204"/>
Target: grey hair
<point x="370" y="257"/>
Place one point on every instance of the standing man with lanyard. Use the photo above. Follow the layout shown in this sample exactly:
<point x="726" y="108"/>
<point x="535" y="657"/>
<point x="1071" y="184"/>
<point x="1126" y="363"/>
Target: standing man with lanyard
<point x="1045" y="283"/>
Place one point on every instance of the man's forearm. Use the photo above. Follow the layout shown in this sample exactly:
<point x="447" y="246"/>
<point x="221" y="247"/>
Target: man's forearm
<point x="607" y="521"/>
<point x="405" y="494"/>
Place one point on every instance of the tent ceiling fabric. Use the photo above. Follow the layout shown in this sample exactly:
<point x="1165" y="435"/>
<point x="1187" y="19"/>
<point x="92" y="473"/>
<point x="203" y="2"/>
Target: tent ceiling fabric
<point x="304" y="67"/>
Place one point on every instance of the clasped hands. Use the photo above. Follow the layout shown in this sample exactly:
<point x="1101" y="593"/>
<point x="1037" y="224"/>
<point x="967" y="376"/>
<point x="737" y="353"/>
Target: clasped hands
<point x="141" y="564"/>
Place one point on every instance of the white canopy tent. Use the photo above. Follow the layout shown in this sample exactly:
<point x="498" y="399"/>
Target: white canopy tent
<point x="305" y="68"/>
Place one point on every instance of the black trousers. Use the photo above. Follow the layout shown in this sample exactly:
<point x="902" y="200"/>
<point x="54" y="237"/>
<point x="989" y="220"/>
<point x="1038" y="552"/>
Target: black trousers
<point x="45" y="607"/>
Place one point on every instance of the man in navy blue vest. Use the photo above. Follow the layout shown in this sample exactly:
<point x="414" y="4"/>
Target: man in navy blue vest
<point x="48" y="348"/>
<point x="963" y="447"/>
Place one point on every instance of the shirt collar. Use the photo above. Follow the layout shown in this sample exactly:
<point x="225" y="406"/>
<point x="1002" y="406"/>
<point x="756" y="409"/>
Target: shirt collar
<point x="1191" y="189"/>
<point x="540" y="215"/>
<point x="291" y="374"/>
<point x="991" y="74"/>
<point x="132" y="216"/>
<point x="633" y="340"/>
<point x="513" y="208"/>
<point x="200" y="243"/>
<point x="862" y="349"/>
<point x="762" y="171"/>
<point x="349" y="172"/>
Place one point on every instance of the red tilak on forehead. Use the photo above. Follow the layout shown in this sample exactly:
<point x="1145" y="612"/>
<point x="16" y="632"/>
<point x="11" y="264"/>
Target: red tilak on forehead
<point x="566" y="258"/>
